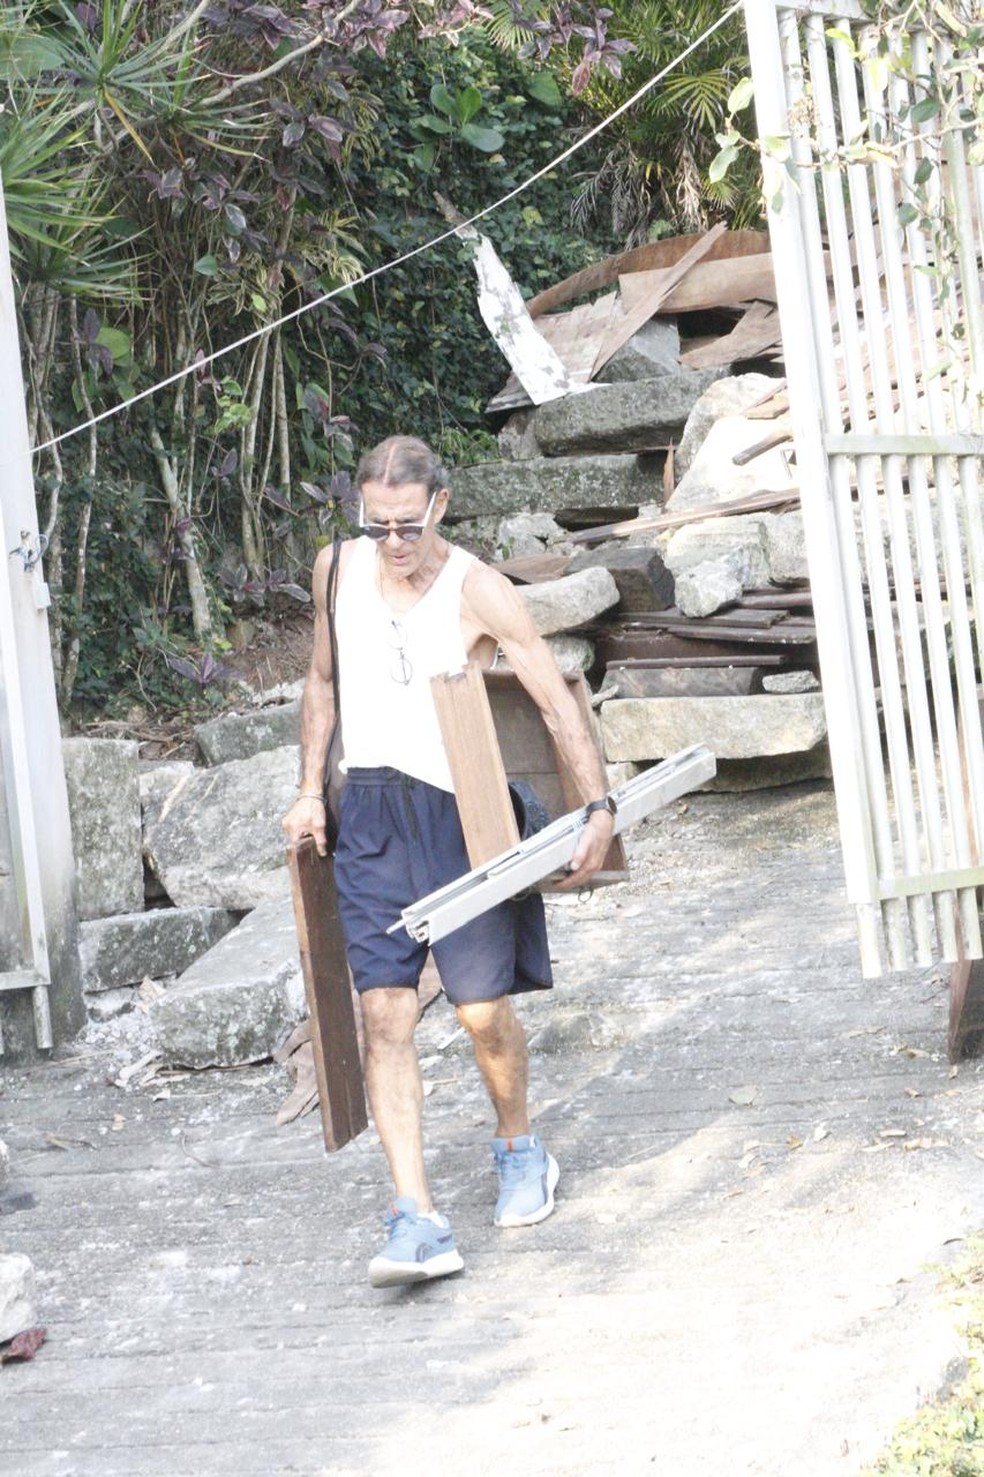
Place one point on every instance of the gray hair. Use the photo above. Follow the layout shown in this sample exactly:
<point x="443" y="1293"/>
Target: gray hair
<point x="399" y="460"/>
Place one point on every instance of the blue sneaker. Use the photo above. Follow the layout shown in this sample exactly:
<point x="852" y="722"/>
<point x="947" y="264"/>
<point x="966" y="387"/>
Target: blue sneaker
<point x="528" y="1176"/>
<point x="417" y="1248"/>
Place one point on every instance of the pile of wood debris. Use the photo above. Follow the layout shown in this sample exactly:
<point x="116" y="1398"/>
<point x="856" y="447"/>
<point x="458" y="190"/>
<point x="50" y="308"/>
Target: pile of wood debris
<point x="719" y="286"/>
<point x="718" y="292"/>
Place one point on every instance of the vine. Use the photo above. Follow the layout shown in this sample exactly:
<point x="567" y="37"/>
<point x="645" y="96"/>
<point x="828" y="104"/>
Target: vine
<point x="921" y="87"/>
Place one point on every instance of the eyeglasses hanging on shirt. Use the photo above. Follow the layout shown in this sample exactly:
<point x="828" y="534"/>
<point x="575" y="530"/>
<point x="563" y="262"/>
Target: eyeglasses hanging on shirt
<point x="408" y="533"/>
<point x="402" y="668"/>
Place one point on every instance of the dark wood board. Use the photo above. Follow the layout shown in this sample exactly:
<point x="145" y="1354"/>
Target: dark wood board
<point x="682" y="681"/>
<point x="528" y="752"/>
<point x="966" y="1031"/>
<point x="334" y="1034"/>
<point x="480" y="784"/>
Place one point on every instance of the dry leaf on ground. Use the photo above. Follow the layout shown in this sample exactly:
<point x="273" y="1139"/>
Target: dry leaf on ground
<point x="23" y="1346"/>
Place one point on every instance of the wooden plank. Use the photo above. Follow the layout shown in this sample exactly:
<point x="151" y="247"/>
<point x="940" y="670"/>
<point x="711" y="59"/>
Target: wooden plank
<point x="733" y="659"/>
<point x="778" y="598"/>
<point x="529" y="752"/>
<point x="654" y="256"/>
<point x="616" y="643"/>
<point x="658" y="287"/>
<point x="758" y="502"/>
<point x="784" y="633"/>
<point x="575" y="338"/>
<point x="494" y="732"/>
<point x="708" y="285"/>
<point x="577" y="335"/>
<point x="765" y="625"/>
<point x="756" y="332"/>
<point x="480" y="785"/>
<point x="334" y="1034"/>
<point x="782" y="431"/>
<point x="966" y="1027"/>
<point x="731" y="615"/>
<point x="776" y="405"/>
<point x="533" y="569"/>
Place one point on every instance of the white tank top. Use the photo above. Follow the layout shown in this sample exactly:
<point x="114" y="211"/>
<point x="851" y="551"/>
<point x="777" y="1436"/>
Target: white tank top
<point x="385" y="662"/>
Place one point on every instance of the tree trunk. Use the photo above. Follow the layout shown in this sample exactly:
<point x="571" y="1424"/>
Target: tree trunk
<point x="253" y="541"/>
<point x="71" y="667"/>
<point x="201" y="616"/>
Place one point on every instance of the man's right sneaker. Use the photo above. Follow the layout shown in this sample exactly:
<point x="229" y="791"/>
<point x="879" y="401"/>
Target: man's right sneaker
<point x="417" y="1248"/>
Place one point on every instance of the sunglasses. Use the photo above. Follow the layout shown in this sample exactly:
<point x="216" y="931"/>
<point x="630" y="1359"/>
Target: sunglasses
<point x="407" y="533"/>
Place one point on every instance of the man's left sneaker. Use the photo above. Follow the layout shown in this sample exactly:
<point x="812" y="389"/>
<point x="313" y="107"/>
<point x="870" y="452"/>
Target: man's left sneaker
<point x="528" y="1176"/>
<point x="418" y="1247"/>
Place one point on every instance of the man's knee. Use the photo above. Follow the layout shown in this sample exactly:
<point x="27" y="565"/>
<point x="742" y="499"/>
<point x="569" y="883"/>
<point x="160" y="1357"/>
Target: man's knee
<point x="490" y="1023"/>
<point x="389" y="1016"/>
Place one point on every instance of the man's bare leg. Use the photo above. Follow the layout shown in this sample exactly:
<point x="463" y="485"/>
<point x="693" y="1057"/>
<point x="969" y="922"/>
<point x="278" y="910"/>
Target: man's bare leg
<point x="499" y="1043"/>
<point x="528" y="1175"/>
<point x="393" y="1082"/>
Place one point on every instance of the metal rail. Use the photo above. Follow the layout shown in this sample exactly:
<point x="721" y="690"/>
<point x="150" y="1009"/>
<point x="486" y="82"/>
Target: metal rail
<point x="433" y="917"/>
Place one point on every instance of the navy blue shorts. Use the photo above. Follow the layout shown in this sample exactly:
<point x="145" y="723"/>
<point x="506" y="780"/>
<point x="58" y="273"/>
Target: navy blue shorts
<point x="400" y="839"/>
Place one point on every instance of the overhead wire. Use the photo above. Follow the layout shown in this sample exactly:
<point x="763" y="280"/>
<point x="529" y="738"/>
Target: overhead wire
<point x="203" y="361"/>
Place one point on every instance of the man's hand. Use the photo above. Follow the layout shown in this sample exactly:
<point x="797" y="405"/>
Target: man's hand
<point x="590" y="852"/>
<point x="306" y="817"/>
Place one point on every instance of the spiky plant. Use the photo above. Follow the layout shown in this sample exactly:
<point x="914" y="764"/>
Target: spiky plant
<point x="656" y="169"/>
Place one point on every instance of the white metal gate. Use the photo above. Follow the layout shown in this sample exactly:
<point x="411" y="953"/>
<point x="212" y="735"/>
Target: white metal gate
<point x="876" y="212"/>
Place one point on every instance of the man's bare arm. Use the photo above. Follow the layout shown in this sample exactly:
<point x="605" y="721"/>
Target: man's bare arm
<point x="495" y="607"/>
<point x="306" y="816"/>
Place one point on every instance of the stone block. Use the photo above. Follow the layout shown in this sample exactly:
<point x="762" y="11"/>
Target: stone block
<point x="643" y="580"/>
<point x="637" y="415"/>
<point x="18" y="1296"/>
<point x="731" y="727"/>
<point x="652" y="351"/>
<point x="125" y="949"/>
<point x="572" y="653"/>
<point x="554" y="484"/>
<point x="679" y="681"/>
<point x="241" y="735"/>
<point x="240" y="1000"/>
<point x="217" y="841"/>
<point x="785" y="547"/>
<point x="736" y="776"/>
<point x="560" y="605"/>
<point x="708" y="586"/>
<point x="102" y="776"/>
<point x="159" y="783"/>
<point x="740" y="537"/>
<point x="714" y="477"/>
<point x="730" y="396"/>
<point x="109" y="1005"/>
<point x="790" y="682"/>
<point x="622" y="772"/>
<point x="527" y="533"/>
<point x="517" y="441"/>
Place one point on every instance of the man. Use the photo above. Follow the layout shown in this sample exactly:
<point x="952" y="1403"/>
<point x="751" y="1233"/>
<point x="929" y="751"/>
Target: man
<point x="409" y="605"/>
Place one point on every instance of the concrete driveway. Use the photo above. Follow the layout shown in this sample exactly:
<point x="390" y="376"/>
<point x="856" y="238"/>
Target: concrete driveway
<point x="764" y="1158"/>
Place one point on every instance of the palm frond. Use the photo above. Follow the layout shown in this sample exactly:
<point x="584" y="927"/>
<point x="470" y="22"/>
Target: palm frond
<point x="701" y="99"/>
<point x="505" y="25"/>
<point x="56" y="217"/>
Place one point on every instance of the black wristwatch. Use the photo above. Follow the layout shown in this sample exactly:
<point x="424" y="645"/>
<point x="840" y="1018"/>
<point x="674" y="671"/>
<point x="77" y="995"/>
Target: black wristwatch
<point x="606" y="804"/>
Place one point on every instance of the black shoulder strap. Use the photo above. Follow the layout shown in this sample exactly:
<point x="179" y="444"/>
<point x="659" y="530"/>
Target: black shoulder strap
<point x="336" y="559"/>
